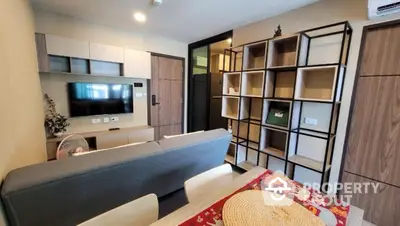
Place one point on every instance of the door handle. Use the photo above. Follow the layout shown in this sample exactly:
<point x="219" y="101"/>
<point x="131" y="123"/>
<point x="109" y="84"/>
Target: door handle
<point x="153" y="100"/>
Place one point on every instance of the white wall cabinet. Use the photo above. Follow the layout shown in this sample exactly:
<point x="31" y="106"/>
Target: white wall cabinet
<point x="61" y="46"/>
<point x="137" y="64"/>
<point x="106" y="53"/>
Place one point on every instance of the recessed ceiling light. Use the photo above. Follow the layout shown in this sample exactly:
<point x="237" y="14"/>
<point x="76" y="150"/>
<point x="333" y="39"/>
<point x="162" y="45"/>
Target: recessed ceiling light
<point x="140" y="17"/>
<point x="229" y="40"/>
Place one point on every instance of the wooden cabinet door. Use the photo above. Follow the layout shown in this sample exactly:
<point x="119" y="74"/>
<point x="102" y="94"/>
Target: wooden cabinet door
<point x="106" y="53"/>
<point x="112" y="139"/>
<point x="381" y="52"/>
<point x="61" y="46"/>
<point x="380" y="208"/>
<point x="137" y="64"/>
<point x="141" y="135"/>
<point x="373" y="147"/>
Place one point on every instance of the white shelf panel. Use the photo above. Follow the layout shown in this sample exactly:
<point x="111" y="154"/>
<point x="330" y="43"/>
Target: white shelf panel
<point x="282" y="51"/>
<point x="318" y="83"/>
<point x="252" y="83"/>
<point x="246" y="165"/>
<point x="254" y="56"/>
<point x="274" y="142"/>
<point x="253" y="145"/>
<point x="274" y="152"/>
<point x="230" y="107"/>
<point x="230" y="159"/>
<point x="237" y="140"/>
<point x="276" y="126"/>
<point x="276" y="164"/>
<point x="304" y="175"/>
<point x="231" y="83"/>
<point x="310" y="163"/>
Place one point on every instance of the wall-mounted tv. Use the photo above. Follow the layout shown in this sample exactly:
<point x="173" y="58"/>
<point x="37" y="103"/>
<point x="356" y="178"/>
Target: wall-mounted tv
<point x="87" y="99"/>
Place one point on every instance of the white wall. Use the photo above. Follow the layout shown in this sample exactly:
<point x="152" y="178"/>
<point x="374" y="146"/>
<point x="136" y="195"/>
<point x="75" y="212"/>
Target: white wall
<point x="50" y="23"/>
<point x="22" y="136"/>
<point x="319" y="14"/>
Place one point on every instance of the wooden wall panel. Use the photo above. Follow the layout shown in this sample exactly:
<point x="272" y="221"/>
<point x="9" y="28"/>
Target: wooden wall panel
<point x="165" y="102"/>
<point x="374" y="144"/>
<point x="381" y="52"/>
<point x="170" y="68"/>
<point x="177" y="129"/>
<point x="381" y="208"/>
<point x="176" y="101"/>
<point x="154" y="90"/>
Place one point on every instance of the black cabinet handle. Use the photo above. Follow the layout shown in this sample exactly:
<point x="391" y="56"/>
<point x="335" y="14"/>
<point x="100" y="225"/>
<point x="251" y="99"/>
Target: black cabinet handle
<point x="153" y="100"/>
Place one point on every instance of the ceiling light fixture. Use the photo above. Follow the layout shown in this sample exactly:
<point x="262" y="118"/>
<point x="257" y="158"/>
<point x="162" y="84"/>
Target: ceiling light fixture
<point x="229" y="40"/>
<point x="140" y="17"/>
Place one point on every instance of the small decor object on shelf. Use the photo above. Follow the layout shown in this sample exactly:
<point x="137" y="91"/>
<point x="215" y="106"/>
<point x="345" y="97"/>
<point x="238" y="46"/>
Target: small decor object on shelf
<point x="278" y="117"/>
<point x="278" y="32"/>
<point x="233" y="91"/>
<point x="55" y="123"/>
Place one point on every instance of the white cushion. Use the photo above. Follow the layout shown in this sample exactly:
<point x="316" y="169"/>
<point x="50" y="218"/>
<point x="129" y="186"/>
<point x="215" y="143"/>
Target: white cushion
<point x="181" y="135"/>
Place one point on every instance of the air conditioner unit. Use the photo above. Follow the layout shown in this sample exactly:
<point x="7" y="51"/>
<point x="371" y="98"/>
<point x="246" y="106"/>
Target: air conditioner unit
<point x="378" y="8"/>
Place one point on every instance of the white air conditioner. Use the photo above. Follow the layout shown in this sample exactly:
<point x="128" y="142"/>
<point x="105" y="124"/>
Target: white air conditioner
<point x="377" y="8"/>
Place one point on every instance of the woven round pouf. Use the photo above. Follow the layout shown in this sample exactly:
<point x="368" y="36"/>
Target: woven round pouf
<point x="251" y="208"/>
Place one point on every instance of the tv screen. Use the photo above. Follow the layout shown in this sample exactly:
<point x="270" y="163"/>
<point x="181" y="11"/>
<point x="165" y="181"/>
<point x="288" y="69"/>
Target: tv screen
<point x="98" y="99"/>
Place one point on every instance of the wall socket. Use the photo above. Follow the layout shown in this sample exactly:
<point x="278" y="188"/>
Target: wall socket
<point x="106" y="119"/>
<point x="114" y="119"/>
<point x="311" y="121"/>
<point x="96" y="120"/>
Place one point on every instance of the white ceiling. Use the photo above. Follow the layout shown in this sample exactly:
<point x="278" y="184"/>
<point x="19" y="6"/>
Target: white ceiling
<point x="184" y="20"/>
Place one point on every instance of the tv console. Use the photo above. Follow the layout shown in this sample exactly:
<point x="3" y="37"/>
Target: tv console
<point x="105" y="139"/>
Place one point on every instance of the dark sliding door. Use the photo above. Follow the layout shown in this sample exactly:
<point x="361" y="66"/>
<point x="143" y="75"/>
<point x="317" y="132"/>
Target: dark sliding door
<point x="205" y="84"/>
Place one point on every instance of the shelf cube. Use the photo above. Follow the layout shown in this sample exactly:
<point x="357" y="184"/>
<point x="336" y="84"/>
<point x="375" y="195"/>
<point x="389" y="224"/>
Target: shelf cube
<point x="311" y="147"/>
<point x="230" y="107"/>
<point x="256" y="109"/>
<point x="231" y="83"/>
<point x="283" y="51"/>
<point x="243" y="129"/>
<point x="274" y="142"/>
<point x="318" y="83"/>
<point x="277" y="113"/>
<point x="254" y="56"/>
<point x="253" y="83"/>
<point x="284" y="84"/>
<point x="317" y="116"/>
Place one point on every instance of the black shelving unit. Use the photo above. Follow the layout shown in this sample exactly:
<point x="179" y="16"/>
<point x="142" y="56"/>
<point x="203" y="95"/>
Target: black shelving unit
<point x="292" y="55"/>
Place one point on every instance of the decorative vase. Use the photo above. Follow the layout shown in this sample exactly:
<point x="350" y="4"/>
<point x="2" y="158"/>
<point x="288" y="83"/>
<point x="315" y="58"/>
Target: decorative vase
<point x="59" y="134"/>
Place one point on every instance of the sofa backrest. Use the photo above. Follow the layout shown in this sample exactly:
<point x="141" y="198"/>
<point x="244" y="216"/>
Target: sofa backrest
<point x="71" y="191"/>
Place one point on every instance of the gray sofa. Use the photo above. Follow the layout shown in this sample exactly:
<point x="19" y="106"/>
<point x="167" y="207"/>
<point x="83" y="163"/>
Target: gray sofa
<point x="73" y="190"/>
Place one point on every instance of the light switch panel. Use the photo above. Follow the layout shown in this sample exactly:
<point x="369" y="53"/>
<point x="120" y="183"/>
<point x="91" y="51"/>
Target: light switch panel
<point x="106" y="120"/>
<point x="96" y="120"/>
<point x="311" y="121"/>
